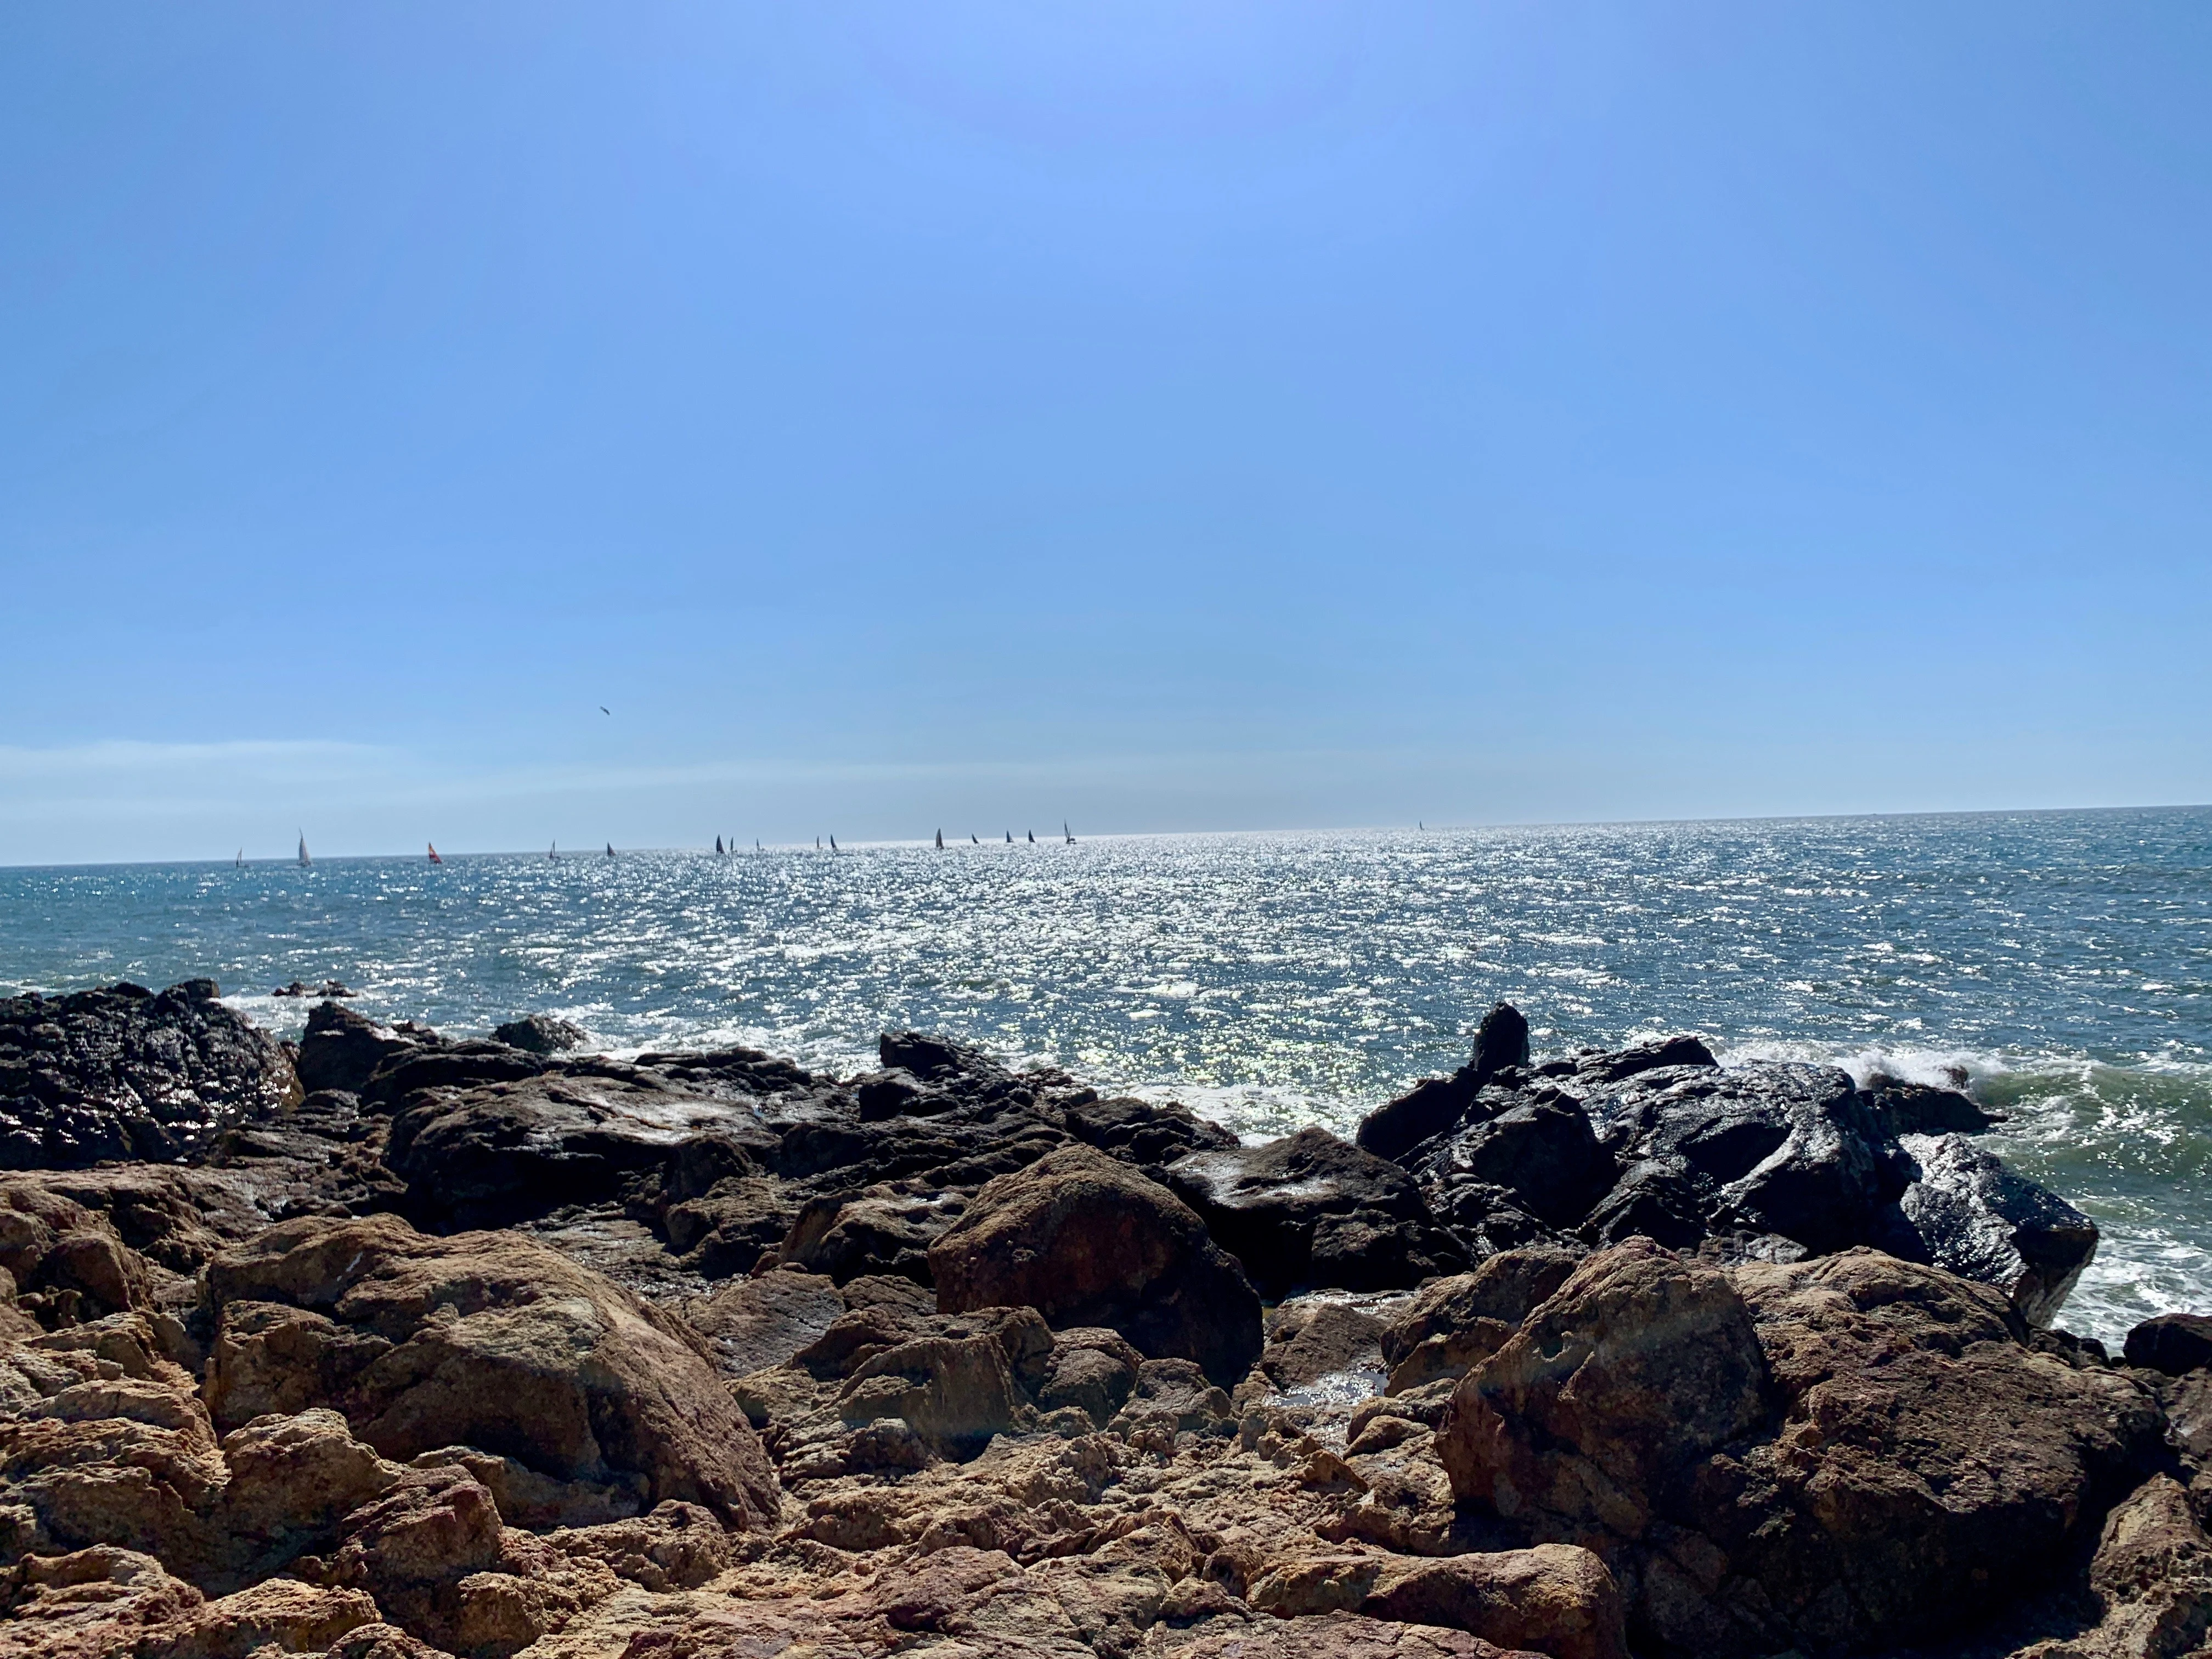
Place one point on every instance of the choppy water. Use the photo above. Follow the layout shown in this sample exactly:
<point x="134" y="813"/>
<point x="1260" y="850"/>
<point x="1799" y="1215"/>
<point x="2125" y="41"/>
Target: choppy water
<point x="2064" y="960"/>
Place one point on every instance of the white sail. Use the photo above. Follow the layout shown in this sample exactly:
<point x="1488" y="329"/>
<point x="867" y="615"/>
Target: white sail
<point x="304" y="859"/>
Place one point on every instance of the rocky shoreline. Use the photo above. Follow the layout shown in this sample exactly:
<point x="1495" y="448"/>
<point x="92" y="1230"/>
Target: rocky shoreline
<point x="390" y="1344"/>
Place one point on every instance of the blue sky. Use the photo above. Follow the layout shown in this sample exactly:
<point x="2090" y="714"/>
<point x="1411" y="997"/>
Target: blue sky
<point x="1174" y="416"/>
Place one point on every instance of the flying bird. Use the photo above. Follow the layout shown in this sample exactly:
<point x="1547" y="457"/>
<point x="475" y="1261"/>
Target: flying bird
<point x="608" y="712"/>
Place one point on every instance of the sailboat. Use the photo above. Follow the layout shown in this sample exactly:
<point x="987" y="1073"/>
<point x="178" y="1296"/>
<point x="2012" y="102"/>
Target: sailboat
<point x="817" y="844"/>
<point x="553" y="852"/>
<point x="1069" y="833"/>
<point x="1010" y="838"/>
<point x="1032" y="837"/>
<point x="833" y="843"/>
<point x="718" y="846"/>
<point x="304" y="859"/>
<point x="972" y="841"/>
<point x="940" y="841"/>
<point x="242" y="858"/>
<point x="435" y="859"/>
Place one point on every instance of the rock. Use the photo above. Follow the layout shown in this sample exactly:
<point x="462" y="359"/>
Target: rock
<point x="1544" y="1153"/>
<point x="541" y="1034"/>
<point x="1141" y="1133"/>
<point x="498" y="1154"/>
<point x="1310" y="1210"/>
<point x="1092" y="1369"/>
<point x="1313" y="1338"/>
<point x="954" y="1393"/>
<point x="753" y="1323"/>
<point x="1919" y="1108"/>
<point x="411" y="1550"/>
<point x="175" y="1215"/>
<point x="275" y="1617"/>
<point x="1430" y="1108"/>
<point x="341" y="1049"/>
<point x="1555" y="1599"/>
<point x="1639" y="1363"/>
<point x="2152" y="1577"/>
<point x="67" y="1265"/>
<point x="882" y="1230"/>
<point x="1085" y="1240"/>
<point x="1965" y="1211"/>
<point x="483" y="1339"/>
<point x="1453" y="1323"/>
<point x="732" y="1227"/>
<point x="120" y="1072"/>
<point x="1502" y="1040"/>
<point x="1884" y="1459"/>
<point x="1329" y="1636"/>
<point x="2174" y="1343"/>
<point x="329" y="987"/>
<point x="90" y="1603"/>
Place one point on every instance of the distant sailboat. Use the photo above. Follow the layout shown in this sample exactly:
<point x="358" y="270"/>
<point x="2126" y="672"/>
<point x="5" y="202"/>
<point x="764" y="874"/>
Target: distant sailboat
<point x="1032" y="834"/>
<point x="972" y="841"/>
<point x="718" y="846"/>
<point x="553" y="852"/>
<point x="242" y="858"/>
<point x="833" y="843"/>
<point x="435" y="859"/>
<point x="1069" y="833"/>
<point x="304" y="859"/>
<point x="817" y="844"/>
<point x="610" y="849"/>
<point x="940" y="841"/>
<point x="1010" y="838"/>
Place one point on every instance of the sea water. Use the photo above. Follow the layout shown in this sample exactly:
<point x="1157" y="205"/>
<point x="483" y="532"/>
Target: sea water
<point x="2060" y="963"/>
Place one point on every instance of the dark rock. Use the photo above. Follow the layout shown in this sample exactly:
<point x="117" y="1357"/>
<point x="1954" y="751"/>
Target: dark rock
<point x="341" y="1049"/>
<point x="1544" y="1153"/>
<point x="120" y="1074"/>
<point x="541" y="1034"/>
<point x="731" y="1227"/>
<point x="1092" y="1369"/>
<point x="1966" y="1212"/>
<point x="2174" y="1343"/>
<point x="1430" y="1108"/>
<point x="1311" y="1209"/>
<point x="1920" y="1109"/>
<point x="1654" y="1054"/>
<point x="1328" y="1335"/>
<point x="1501" y="1040"/>
<point x="1085" y="1240"/>
<point x="898" y="1094"/>
<point x="329" y="987"/>
<point x="1144" y="1133"/>
<point x="489" y="1156"/>
<point x="1656" y="1198"/>
<point x="939" y="1059"/>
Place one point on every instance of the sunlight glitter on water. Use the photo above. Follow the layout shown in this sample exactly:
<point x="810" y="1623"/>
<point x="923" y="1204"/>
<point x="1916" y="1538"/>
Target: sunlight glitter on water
<point x="1271" y="980"/>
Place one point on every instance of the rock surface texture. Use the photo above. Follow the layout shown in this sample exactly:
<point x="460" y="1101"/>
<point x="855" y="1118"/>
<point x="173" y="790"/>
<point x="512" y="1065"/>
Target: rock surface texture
<point x="429" y="1348"/>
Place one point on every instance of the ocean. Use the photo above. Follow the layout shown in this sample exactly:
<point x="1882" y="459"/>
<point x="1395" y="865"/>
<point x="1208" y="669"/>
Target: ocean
<point x="2061" y="963"/>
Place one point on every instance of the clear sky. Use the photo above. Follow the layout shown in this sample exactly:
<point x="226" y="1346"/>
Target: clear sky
<point x="1158" y="415"/>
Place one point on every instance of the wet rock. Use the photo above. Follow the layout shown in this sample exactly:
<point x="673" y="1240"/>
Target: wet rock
<point x="329" y="987"/>
<point x="1900" y="1107"/>
<point x="341" y="1049"/>
<point x="541" y="1034"/>
<point x="493" y="1155"/>
<point x="1311" y="1209"/>
<point x="1085" y="1240"/>
<point x="1140" y="1132"/>
<point x="1500" y="1040"/>
<point x="482" y="1340"/>
<point x="120" y="1073"/>
<point x="1545" y="1154"/>
<point x="1966" y="1212"/>
<point x="1313" y="1337"/>
<point x="2174" y="1343"/>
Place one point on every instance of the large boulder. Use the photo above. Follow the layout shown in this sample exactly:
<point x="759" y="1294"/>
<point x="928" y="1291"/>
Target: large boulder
<point x="1311" y="1209"/>
<point x="1086" y="1240"/>
<point x="486" y="1339"/>
<point x="1453" y="1323"/>
<point x="492" y="1155"/>
<point x="1965" y="1211"/>
<point x="1544" y="1153"/>
<point x="2174" y="1343"/>
<point x="120" y="1072"/>
<point x="1840" y="1452"/>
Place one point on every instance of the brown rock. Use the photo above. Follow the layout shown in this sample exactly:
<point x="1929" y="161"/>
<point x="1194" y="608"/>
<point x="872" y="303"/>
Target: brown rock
<point x="486" y="1339"/>
<point x="1085" y="1240"/>
<point x="89" y="1604"/>
<point x="1331" y="1635"/>
<point x="281" y="1614"/>
<point x="1554" y="1598"/>
<point x="1455" y="1322"/>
